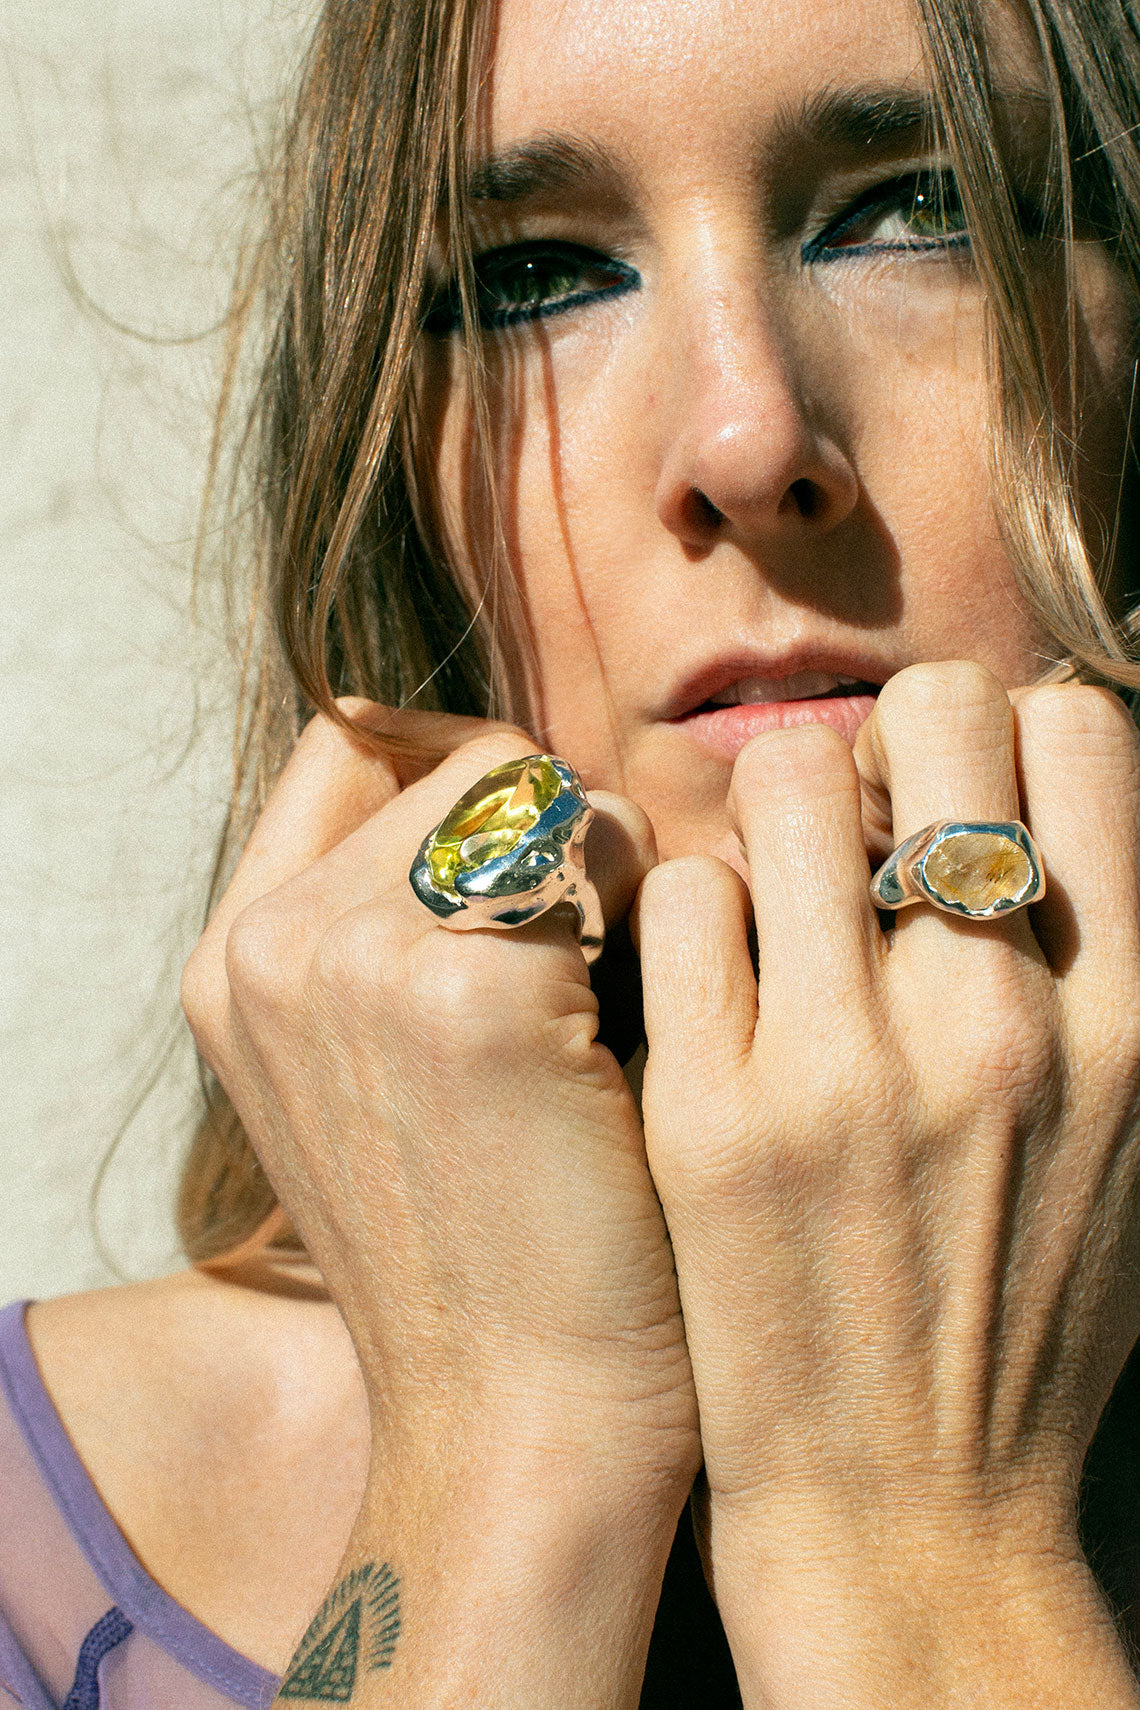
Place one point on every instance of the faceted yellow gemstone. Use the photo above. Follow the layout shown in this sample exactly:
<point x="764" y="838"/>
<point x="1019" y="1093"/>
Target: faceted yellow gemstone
<point x="491" y="818"/>
<point x="977" y="869"/>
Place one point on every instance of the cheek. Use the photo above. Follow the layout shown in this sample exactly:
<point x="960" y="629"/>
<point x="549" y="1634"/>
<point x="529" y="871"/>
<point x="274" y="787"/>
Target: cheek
<point x="561" y="507"/>
<point x="907" y="381"/>
<point x="527" y="455"/>
<point x="912" y="379"/>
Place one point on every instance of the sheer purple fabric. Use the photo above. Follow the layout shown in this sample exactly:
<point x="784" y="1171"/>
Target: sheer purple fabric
<point x="82" y="1624"/>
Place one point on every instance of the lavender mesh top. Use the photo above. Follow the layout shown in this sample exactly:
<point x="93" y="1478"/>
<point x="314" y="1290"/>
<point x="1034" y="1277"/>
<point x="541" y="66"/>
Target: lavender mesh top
<point x="82" y="1624"/>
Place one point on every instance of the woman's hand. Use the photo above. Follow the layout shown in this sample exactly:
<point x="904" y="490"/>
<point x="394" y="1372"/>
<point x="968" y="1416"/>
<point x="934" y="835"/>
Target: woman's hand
<point x="901" y="1179"/>
<point x="466" y="1165"/>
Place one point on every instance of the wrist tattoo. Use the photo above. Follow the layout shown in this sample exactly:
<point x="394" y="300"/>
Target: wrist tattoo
<point x="354" y="1630"/>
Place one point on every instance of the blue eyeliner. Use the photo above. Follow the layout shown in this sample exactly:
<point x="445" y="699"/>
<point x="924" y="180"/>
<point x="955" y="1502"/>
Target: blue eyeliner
<point x="496" y="269"/>
<point x="882" y="199"/>
<point x="446" y="316"/>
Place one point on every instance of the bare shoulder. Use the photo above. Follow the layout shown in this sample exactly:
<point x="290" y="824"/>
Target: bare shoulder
<point x="223" y="1421"/>
<point x="226" y="1346"/>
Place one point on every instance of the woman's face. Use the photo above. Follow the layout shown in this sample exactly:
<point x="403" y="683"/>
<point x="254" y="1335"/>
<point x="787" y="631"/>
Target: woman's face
<point x="737" y="380"/>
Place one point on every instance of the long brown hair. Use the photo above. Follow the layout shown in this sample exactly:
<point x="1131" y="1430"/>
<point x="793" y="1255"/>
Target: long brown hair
<point x="343" y="592"/>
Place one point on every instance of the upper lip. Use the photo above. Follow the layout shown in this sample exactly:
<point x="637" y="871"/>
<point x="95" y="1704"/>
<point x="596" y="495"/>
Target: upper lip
<point x="712" y="678"/>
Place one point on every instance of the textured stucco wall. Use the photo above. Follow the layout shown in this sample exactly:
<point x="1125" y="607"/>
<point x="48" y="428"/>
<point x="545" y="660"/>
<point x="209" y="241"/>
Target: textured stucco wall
<point x="127" y="132"/>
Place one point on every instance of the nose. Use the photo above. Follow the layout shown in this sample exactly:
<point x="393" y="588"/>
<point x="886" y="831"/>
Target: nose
<point x="744" y="453"/>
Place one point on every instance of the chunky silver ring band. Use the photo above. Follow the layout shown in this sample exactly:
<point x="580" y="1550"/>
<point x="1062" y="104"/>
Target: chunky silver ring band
<point x="512" y="847"/>
<point x="977" y="868"/>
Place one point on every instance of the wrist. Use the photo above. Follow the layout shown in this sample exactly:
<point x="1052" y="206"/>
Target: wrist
<point x="960" y="1616"/>
<point x="617" y="1454"/>
<point x="518" y="1583"/>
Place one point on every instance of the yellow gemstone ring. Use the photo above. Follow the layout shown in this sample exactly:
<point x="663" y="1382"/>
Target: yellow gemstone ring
<point x="976" y="868"/>
<point x="511" y="848"/>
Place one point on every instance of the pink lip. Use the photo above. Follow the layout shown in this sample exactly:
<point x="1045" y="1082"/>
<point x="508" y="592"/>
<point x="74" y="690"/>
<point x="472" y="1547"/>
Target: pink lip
<point x="723" y="731"/>
<point x="705" y="682"/>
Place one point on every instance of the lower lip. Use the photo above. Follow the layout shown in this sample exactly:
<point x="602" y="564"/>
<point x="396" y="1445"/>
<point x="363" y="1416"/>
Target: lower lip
<point x="723" y="731"/>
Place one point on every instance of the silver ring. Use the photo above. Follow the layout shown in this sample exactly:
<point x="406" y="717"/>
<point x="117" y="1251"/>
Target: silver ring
<point x="512" y="847"/>
<point x="977" y="868"/>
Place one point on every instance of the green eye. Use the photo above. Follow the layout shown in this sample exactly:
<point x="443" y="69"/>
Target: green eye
<point x="936" y="211"/>
<point x="527" y="282"/>
<point x="523" y="282"/>
<point x="922" y="211"/>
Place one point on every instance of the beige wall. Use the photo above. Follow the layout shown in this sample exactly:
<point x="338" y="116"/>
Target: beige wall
<point x="126" y="127"/>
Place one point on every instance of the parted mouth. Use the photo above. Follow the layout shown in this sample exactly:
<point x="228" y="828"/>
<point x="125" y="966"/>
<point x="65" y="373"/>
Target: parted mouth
<point x="743" y="681"/>
<point x="801" y="686"/>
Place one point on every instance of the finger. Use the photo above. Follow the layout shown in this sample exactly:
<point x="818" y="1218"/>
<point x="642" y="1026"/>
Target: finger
<point x="371" y="865"/>
<point x="940" y="745"/>
<point x="874" y="798"/>
<point x="328" y="786"/>
<point x="691" y="921"/>
<point x="334" y="838"/>
<point x="620" y="850"/>
<point x="414" y="742"/>
<point x="795" y="797"/>
<point x="1080" y="768"/>
<point x="332" y="784"/>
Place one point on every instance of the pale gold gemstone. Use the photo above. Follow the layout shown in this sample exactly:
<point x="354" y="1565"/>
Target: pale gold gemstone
<point x="977" y="869"/>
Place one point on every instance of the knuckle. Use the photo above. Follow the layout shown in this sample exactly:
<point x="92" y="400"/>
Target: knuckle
<point x="444" y="995"/>
<point x="353" y="707"/>
<point x="1013" y="1064"/>
<point x="1112" y="1073"/>
<point x="504" y="729"/>
<point x="676" y="886"/>
<point x="321" y="735"/>
<point x="693" y="1165"/>
<point x="809" y="756"/>
<point x="261" y="955"/>
<point x="796" y="1142"/>
<point x="353" y="957"/>
<point x="495" y="747"/>
<point x="621" y="819"/>
<point x="745" y="1172"/>
<point x="443" y="981"/>
<point x="1083" y="721"/>
<point x="325" y="745"/>
<point x="204" y="996"/>
<point x="1107" y="1044"/>
<point x="473" y="1001"/>
<point x="960" y="689"/>
<point x="1001" y="1048"/>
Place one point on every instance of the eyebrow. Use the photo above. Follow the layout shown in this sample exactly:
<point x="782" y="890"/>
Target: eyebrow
<point x="840" y="120"/>
<point x="855" y="119"/>
<point x="546" y="163"/>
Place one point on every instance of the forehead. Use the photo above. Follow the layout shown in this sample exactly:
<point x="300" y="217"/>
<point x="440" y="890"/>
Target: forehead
<point x="617" y="66"/>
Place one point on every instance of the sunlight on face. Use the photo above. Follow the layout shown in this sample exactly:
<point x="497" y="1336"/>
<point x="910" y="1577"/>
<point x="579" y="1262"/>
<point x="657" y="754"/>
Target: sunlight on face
<point x="736" y="355"/>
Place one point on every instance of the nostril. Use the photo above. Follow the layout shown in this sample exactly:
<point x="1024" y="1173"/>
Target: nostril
<point x="807" y="498"/>
<point x="705" y="511"/>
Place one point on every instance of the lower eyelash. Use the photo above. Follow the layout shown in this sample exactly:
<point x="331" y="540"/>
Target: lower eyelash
<point x="516" y="315"/>
<point x="446" y="318"/>
<point x="816" y="251"/>
<point x="559" y="306"/>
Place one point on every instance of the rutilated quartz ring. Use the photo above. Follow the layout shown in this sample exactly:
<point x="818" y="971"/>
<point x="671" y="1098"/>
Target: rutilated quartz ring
<point x="511" y="848"/>
<point x="978" y="868"/>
